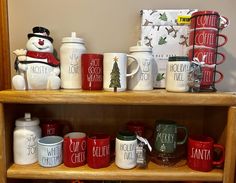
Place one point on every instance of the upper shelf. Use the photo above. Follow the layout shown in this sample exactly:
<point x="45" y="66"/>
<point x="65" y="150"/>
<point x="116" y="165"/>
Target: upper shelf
<point x="154" y="97"/>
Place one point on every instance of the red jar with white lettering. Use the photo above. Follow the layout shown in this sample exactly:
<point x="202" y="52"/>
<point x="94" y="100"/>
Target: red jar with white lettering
<point x="98" y="150"/>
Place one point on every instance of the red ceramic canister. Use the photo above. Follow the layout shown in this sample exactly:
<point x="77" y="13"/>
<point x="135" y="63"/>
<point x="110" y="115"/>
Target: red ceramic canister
<point x="74" y="150"/>
<point x="201" y="153"/>
<point x="98" y="150"/>
<point x="92" y="71"/>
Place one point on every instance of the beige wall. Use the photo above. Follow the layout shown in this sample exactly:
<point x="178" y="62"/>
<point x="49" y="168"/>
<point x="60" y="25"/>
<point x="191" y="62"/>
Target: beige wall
<point x="110" y="25"/>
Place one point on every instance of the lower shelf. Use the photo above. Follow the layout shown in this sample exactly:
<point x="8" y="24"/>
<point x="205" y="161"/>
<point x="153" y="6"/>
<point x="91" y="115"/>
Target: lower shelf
<point x="151" y="173"/>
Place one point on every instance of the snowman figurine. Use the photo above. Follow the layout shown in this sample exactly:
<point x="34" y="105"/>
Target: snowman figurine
<point x="36" y="66"/>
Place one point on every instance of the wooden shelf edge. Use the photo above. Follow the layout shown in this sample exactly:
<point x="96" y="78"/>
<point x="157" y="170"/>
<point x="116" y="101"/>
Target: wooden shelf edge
<point x="154" y="97"/>
<point x="153" y="172"/>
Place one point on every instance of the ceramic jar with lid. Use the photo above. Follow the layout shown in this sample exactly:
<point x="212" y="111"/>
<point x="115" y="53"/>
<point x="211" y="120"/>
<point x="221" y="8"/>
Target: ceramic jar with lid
<point x="177" y="74"/>
<point x="125" y="150"/>
<point x="143" y="79"/>
<point x="26" y="134"/>
<point x="70" y="56"/>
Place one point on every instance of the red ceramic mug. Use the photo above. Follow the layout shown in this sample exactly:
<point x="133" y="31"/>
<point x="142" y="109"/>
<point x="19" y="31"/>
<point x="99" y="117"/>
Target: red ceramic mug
<point x="136" y="127"/>
<point x="206" y="37"/>
<point x="74" y="149"/>
<point x="50" y="128"/>
<point x="92" y="71"/>
<point x="210" y="19"/>
<point x="55" y="127"/>
<point x="201" y="153"/>
<point x="98" y="150"/>
<point x="208" y="77"/>
<point x="211" y="55"/>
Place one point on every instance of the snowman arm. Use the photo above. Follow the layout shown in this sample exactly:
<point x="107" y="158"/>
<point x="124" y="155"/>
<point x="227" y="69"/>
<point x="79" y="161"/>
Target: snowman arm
<point x="56" y="71"/>
<point x="20" y="52"/>
<point x="22" y="67"/>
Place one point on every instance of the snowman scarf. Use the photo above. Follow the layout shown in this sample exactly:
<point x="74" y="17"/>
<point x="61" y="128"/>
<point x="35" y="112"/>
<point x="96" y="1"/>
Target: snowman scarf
<point x="51" y="60"/>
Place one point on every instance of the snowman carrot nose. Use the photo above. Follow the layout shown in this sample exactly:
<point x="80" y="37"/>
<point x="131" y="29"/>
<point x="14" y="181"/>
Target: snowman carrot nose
<point x="41" y="42"/>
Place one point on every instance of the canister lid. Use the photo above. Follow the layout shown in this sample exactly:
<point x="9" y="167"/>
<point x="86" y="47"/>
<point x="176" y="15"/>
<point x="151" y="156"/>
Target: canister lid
<point x="126" y="135"/>
<point x="27" y="121"/>
<point x="140" y="47"/>
<point x="178" y="58"/>
<point x="72" y="39"/>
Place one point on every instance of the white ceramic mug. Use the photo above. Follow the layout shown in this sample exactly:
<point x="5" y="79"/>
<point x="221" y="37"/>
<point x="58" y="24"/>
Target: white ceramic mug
<point x="115" y="71"/>
<point x="50" y="151"/>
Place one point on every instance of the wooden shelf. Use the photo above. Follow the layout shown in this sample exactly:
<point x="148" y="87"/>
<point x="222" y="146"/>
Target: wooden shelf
<point x="151" y="173"/>
<point x="154" y="97"/>
<point x="111" y="111"/>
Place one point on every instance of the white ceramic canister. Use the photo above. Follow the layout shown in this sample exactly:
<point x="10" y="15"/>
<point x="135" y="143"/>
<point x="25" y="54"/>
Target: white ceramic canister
<point x="26" y="134"/>
<point x="70" y="58"/>
<point x="177" y="74"/>
<point x="126" y="143"/>
<point x="143" y="79"/>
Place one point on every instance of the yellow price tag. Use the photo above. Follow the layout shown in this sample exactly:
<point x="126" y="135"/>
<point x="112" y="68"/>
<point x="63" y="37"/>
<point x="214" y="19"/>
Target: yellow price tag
<point x="184" y="19"/>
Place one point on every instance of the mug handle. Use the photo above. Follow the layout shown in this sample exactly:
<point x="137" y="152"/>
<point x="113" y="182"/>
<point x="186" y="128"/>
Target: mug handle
<point x="186" y="134"/>
<point x="225" y="40"/>
<point x="222" y="158"/>
<point x="225" y="22"/>
<point x="222" y="59"/>
<point x="220" y="78"/>
<point x="136" y="70"/>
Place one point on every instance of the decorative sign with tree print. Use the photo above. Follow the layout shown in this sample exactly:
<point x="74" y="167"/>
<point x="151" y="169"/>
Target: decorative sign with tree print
<point x="115" y="75"/>
<point x="161" y="31"/>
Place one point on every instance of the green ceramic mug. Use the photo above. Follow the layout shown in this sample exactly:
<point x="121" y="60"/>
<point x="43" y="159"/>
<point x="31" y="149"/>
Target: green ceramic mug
<point x="166" y="136"/>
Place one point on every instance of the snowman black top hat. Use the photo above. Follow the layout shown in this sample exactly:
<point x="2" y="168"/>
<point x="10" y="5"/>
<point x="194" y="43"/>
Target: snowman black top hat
<point x="40" y="32"/>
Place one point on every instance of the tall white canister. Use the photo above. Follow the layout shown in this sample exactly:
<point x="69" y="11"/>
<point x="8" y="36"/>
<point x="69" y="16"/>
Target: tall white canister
<point x="143" y="79"/>
<point x="26" y="134"/>
<point x="70" y="58"/>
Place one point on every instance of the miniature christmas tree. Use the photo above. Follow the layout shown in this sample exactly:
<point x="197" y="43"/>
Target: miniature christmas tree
<point x="163" y="17"/>
<point x="160" y="77"/>
<point x="162" y="40"/>
<point x="115" y="76"/>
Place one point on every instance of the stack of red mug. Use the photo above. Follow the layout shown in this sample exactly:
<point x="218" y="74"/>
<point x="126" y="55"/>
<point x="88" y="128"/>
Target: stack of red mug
<point x="203" y="41"/>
